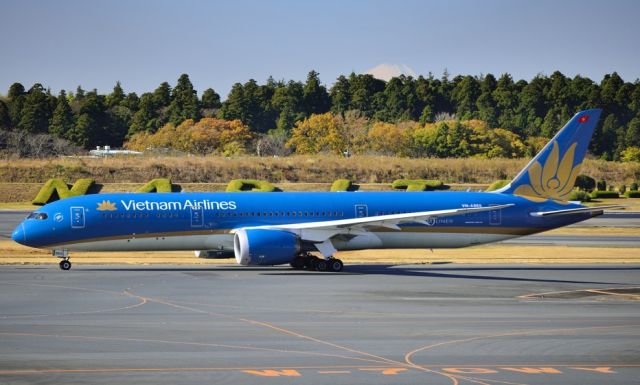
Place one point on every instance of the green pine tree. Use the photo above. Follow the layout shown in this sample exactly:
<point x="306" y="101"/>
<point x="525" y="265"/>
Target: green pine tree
<point x="15" y="97"/>
<point x="116" y="97"/>
<point x="316" y="98"/>
<point x="184" y="102"/>
<point x="210" y="99"/>
<point x="35" y="113"/>
<point x="340" y="95"/>
<point x="145" y="118"/>
<point x="62" y="119"/>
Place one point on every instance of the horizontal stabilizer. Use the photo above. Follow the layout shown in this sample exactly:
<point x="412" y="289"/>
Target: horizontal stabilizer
<point x="596" y="210"/>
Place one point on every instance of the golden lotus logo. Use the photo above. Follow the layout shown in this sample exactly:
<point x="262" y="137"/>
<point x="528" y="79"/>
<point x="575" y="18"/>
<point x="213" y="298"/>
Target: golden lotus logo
<point x="553" y="181"/>
<point x="106" y="206"/>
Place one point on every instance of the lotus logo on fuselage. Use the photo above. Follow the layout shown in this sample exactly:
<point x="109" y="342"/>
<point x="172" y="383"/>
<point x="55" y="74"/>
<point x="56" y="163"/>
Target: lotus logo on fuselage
<point x="106" y="206"/>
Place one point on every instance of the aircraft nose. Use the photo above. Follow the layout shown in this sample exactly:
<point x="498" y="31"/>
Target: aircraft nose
<point x="19" y="234"/>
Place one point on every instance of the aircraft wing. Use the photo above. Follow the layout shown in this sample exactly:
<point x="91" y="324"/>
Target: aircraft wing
<point x="320" y="233"/>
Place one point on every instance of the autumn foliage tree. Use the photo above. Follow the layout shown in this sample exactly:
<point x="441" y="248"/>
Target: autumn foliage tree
<point x="387" y="138"/>
<point x="318" y="133"/>
<point x="207" y="136"/>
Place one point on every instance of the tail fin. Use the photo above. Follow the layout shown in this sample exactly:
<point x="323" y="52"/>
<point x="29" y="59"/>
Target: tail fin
<point x="553" y="172"/>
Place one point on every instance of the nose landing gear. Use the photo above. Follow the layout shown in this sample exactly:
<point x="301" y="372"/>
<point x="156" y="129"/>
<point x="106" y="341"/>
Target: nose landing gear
<point x="65" y="264"/>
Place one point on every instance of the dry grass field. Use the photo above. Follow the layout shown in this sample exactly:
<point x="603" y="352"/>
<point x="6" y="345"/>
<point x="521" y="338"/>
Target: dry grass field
<point x="310" y="169"/>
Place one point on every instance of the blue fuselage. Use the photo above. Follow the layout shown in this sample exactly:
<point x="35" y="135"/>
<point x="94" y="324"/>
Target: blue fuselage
<point x="196" y="221"/>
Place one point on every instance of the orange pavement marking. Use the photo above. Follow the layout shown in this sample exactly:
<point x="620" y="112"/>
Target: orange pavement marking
<point x="601" y="291"/>
<point x="468" y="370"/>
<point x="613" y="293"/>
<point x="386" y="371"/>
<point x="274" y="373"/>
<point x="545" y="370"/>
<point x="601" y="369"/>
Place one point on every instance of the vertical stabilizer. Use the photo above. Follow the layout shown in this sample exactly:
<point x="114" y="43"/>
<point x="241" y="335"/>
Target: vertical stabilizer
<point x="552" y="173"/>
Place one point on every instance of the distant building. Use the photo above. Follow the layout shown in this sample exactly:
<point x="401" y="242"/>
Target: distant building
<point x="107" y="151"/>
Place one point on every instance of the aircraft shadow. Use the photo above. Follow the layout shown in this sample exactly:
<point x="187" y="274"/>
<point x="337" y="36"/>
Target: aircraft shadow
<point x="396" y="270"/>
<point x="458" y="272"/>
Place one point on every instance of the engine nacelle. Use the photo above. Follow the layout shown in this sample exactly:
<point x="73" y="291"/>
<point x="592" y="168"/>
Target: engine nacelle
<point x="265" y="247"/>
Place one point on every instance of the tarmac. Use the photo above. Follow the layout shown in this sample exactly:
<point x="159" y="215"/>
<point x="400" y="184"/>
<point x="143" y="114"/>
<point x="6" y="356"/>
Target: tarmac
<point x="371" y="324"/>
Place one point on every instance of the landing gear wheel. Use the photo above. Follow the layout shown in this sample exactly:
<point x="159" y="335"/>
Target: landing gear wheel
<point x="335" y="265"/>
<point x="65" y="264"/>
<point x="322" y="265"/>
<point x="298" y="263"/>
<point x="311" y="262"/>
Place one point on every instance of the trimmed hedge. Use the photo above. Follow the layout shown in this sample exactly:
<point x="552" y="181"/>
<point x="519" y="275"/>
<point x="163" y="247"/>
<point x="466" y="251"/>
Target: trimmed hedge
<point x="341" y="185"/>
<point x="497" y="184"/>
<point x="160" y="185"/>
<point x="58" y="186"/>
<point x="632" y="194"/>
<point x="604" y="194"/>
<point x="579" y="195"/>
<point x="252" y="185"/>
<point x="585" y="183"/>
<point x="418" y="184"/>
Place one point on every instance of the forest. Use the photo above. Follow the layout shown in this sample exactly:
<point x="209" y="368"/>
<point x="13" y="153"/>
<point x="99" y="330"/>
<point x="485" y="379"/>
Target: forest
<point x="427" y="116"/>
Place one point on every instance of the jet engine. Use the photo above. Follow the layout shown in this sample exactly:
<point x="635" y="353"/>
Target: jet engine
<point x="265" y="247"/>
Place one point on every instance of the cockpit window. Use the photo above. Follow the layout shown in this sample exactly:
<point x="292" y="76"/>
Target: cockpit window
<point x="38" y="216"/>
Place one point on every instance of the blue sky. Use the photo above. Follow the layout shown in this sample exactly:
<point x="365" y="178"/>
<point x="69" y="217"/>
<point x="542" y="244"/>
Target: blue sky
<point x="64" y="43"/>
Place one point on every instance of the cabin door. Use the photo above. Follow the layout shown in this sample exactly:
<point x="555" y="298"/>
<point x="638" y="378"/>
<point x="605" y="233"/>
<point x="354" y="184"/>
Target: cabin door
<point x="77" y="218"/>
<point x="495" y="217"/>
<point x="197" y="216"/>
<point x="361" y="211"/>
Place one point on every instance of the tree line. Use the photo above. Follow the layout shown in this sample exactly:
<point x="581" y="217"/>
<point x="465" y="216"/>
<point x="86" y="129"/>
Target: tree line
<point x="277" y="113"/>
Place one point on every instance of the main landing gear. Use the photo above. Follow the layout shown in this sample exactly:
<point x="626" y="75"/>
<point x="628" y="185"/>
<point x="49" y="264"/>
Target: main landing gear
<point x="65" y="264"/>
<point x="311" y="262"/>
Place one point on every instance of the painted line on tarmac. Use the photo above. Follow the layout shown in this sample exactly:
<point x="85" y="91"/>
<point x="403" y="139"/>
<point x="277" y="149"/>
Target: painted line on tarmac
<point x="606" y="291"/>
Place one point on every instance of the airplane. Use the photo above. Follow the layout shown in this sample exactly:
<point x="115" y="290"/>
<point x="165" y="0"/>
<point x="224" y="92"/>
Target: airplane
<point x="290" y="227"/>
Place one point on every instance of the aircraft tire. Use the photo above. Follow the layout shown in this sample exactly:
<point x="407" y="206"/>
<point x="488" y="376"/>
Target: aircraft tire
<point x="298" y="263"/>
<point x="322" y="265"/>
<point x="65" y="265"/>
<point x="335" y="265"/>
<point x="312" y="262"/>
